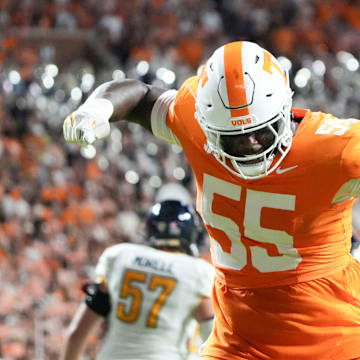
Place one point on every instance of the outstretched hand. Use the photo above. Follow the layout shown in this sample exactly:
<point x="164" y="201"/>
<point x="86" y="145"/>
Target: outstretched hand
<point x="87" y="124"/>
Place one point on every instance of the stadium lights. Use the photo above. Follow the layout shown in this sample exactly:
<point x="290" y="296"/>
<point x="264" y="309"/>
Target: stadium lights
<point x="88" y="152"/>
<point x="285" y="63"/>
<point x="14" y="77"/>
<point x="348" y="59"/>
<point x="151" y="149"/>
<point x="142" y="68"/>
<point x="179" y="173"/>
<point x="319" y="67"/>
<point x="343" y="56"/>
<point x="352" y="64"/>
<point x="76" y="94"/>
<point x="103" y="162"/>
<point x="47" y="81"/>
<point x="116" y="141"/>
<point x="116" y="147"/>
<point x="51" y="70"/>
<point x="167" y="76"/>
<point x="87" y="82"/>
<point x="302" y="77"/>
<point x="155" y="181"/>
<point x="118" y="75"/>
<point x="132" y="177"/>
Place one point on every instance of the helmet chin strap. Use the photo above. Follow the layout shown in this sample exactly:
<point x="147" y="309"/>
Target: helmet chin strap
<point x="250" y="170"/>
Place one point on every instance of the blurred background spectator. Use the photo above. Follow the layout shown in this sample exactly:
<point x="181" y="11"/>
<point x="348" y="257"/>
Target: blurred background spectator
<point x="60" y="206"/>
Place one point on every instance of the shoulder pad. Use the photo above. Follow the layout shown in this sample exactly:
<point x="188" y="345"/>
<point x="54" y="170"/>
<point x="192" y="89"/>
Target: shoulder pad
<point x="298" y="114"/>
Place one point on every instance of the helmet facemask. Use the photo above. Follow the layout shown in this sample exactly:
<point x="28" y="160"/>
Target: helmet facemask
<point x="245" y="166"/>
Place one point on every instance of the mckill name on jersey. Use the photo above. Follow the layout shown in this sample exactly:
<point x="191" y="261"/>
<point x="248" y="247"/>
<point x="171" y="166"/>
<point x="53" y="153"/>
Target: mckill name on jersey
<point x="155" y="264"/>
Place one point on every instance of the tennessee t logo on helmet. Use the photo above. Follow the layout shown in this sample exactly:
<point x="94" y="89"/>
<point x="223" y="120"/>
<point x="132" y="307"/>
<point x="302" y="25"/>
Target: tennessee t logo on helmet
<point x="269" y="62"/>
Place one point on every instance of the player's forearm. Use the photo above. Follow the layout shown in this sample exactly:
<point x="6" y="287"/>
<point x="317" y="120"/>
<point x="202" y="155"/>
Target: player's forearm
<point x="73" y="348"/>
<point x="132" y="100"/>
<point x="84" y="322"/>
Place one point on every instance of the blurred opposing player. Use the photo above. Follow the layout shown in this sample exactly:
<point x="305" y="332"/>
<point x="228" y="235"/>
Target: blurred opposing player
<point x="149" y="295"/>
<point x="276" y="201"/>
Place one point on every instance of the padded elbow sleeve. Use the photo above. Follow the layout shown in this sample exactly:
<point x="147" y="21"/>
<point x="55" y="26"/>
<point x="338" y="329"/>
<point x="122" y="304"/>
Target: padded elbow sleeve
<point x="96" y="299"/>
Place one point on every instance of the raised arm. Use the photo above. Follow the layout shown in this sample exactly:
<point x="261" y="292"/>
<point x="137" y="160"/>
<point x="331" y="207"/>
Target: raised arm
<point x="128" y="99"/>
<point x="132" y="100"/>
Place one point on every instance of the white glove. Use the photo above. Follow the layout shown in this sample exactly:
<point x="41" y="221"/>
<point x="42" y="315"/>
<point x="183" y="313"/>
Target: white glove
<point x="88" y="123"/>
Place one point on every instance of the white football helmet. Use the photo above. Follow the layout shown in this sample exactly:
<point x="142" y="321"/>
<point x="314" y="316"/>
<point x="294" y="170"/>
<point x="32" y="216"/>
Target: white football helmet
<point x="242" y="89"/>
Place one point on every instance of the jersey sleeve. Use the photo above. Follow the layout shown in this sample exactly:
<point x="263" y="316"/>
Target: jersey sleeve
<point x="158" y="117"/>
<point x="350" y="162"/>
<point x="101" y="268"/>
<point x="173" y="113"/>
<point x="348" y="191"/>
<point x="104" y="265"/>
<point x="351" y="155"/>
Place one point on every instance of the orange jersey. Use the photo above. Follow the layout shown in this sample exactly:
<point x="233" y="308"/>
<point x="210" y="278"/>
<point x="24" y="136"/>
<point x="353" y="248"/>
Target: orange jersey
<point x="284" y="228"/>
<point x="287" y="286"/>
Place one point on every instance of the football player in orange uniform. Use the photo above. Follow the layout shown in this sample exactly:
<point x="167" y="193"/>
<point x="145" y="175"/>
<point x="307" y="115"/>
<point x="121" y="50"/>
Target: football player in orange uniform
<point x="276" y="200"/>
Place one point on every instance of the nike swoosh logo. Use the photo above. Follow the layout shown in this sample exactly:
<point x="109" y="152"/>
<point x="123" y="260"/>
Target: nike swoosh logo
<point x="281" y="171"/>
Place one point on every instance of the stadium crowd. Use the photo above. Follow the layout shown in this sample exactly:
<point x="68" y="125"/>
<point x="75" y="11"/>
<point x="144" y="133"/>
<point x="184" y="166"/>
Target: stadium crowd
<point x="60" y="207"/>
